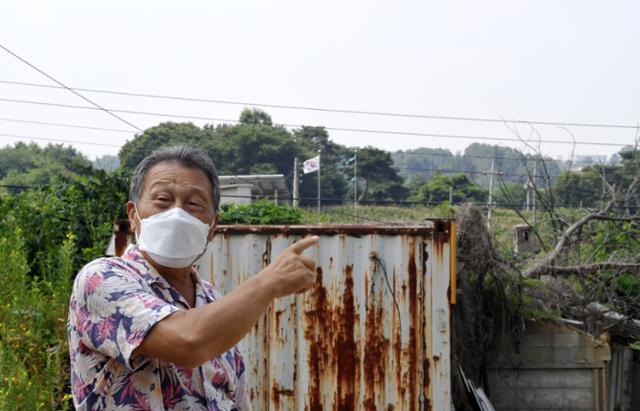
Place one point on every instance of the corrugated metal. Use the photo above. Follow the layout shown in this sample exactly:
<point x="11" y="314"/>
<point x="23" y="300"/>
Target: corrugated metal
<point x="359" y="339"/>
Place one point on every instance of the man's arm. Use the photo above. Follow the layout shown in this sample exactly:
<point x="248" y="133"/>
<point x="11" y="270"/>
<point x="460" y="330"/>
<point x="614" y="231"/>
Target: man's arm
<point x="192" y="337"/>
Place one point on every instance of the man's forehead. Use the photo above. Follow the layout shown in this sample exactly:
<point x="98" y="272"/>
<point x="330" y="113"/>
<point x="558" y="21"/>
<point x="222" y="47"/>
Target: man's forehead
<point x="169" y="173"/>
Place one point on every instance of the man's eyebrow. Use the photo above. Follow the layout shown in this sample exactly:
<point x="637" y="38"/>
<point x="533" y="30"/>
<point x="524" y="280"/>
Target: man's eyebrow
<point x="160" y="182"/>
<point x="165" y="182"/>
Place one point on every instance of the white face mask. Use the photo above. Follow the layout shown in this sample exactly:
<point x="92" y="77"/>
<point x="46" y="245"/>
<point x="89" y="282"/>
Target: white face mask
<point x="173" y="238"/>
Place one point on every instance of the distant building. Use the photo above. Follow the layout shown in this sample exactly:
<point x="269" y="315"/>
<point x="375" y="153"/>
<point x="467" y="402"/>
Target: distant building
<point x="247" y="188"/>
<point x="524" y="241"/>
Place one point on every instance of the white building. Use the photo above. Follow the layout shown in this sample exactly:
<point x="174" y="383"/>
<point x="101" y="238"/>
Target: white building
<point x="247" y="188"/>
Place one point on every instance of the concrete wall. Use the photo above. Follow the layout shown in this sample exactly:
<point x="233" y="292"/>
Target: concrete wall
<point x="624" y="379"/>
<point x="557" y="368"/>
<point x="236" y="193"/>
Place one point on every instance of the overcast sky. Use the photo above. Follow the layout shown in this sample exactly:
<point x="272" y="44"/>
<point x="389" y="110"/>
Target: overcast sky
<point x="556" y="61"/>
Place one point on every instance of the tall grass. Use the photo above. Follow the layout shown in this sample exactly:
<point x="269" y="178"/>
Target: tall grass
<point x="34" y="359"/>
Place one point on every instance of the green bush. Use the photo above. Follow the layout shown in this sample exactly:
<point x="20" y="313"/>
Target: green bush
<point x="46" y="235"/>
<point x="33" y="346"/>
<point x="260" y="212"/>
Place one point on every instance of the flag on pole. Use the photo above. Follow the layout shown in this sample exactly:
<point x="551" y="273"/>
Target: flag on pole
<point x="311" y="165"/>
<point x="350" y="161"/>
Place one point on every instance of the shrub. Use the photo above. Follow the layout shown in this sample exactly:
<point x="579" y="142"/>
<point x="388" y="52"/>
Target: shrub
<point x="260" y="212"/>
<point x="33" y="311"/>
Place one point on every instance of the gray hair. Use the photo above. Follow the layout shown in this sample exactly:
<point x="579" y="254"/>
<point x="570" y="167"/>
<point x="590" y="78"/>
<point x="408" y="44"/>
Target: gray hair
<point x="183" y="155"/>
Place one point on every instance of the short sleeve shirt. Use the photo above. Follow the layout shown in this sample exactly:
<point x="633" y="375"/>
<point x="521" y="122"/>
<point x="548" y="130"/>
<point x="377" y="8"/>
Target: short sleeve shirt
<point x="114" y="303"/>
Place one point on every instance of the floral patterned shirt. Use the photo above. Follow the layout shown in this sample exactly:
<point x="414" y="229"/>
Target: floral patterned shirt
<point x="114" y="303"/>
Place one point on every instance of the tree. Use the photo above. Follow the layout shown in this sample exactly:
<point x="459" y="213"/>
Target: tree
<point x="251" y="148"/>
<point x="475" y="162"/>
<point x="164" y="134"/>
<point x="426" y="162"/>
<point x="255" y="116"/>
<point x="379" y="179"/>
<point x="30" y="164"/>
<point x="511" y="195"/>
<point x="437" y="190"/>
<point x="579" y="188"/>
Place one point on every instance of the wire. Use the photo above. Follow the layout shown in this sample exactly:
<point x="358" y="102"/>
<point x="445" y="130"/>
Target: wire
<point x="358" y="130"/>
<point x="68" y="88"/>
<point x="495" y="173"/>
<point x="59" y="140"/>
<point x="116" y="130"/>
<point x="380" y="263"/>
<point x="450" y="156"/>
<point x="330" y="110"/>
<point x="46" y="123"/>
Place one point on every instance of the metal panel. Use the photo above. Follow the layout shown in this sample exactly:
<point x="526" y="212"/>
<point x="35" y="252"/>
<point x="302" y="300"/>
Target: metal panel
<point x="372" y="334"/>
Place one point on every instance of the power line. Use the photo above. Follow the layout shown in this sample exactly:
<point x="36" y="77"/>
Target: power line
<point x="463" y="156"/>
<point x="358" y="130"/>
<point x="496" y="173"/>
<point x="58" y="140"/>
<point x="332" y="110"/>
<point x="68" y="88"/>
<point x="443" y="155"/>
<point x="46" y="123"/>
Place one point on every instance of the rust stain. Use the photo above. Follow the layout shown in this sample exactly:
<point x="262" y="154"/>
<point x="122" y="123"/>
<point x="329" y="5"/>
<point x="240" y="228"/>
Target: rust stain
<point x="426" y="318"/>
<point x="397" y="350"/>
<point x="265" y="358"/>
<point x="278" y="315"/>
<point x="318" y="328"/>
<point x="345" y="348"/>
<point x="374" y="356"/>
<point x="413" y="313"/>
<point x="441" y="236"/>
<point x="276" y="392"/>
<point x="426" y="365"/>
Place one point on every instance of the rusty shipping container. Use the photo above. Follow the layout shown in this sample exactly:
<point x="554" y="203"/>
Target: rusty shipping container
<point x="373" y="333"/>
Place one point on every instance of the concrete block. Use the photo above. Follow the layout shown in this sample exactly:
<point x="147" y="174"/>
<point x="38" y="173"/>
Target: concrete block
<point x="542" y="378"/>
<point x="508" y="398"/>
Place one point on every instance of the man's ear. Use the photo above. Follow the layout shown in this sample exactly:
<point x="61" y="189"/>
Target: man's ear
<point x="212" y="230"/>
<point x="133" y="217"/>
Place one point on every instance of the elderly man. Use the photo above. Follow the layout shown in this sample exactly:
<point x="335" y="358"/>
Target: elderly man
<point x="145" y="333"/>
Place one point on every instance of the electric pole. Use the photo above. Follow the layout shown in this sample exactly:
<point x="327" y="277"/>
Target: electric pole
<point x="534" y="194"/>
<point x="296" y="182"/>
<point x="355" y="185"/>
<point x="490" y="201"/>
<point x="319" y="167"/>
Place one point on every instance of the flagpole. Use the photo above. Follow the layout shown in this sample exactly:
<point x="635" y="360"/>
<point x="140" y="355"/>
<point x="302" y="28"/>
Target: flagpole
<point x="355" y="185"/>
<point x="319" y="166"/>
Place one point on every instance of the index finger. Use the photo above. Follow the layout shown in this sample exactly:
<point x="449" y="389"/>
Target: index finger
<point x="303" y="244"/>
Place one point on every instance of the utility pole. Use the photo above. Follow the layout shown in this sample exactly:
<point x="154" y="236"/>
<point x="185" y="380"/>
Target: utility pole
<point x="355" y="185"/>
<point x="319" y="167"/>
<point x="490" y="201"/>
<point x="296" y="182"/>
<point x="533" y="198"/>
<point x="451" y="195"/>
